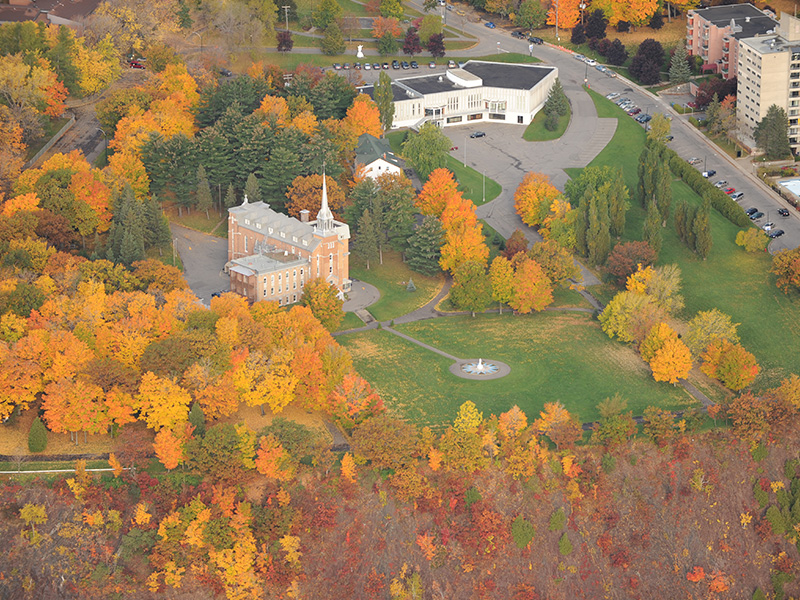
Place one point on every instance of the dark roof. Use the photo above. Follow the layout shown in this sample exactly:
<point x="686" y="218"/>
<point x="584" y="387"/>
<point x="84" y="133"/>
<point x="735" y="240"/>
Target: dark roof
<point x="721" y="17"/>
<point x="72" y="10"/>
<point x="505" y="75"/>
<point x="371" y="149"/>
<point x="398" y="93"/>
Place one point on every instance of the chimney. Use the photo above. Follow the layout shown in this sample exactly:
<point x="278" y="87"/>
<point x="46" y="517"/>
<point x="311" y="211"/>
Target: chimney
<point x="304" y="214"/>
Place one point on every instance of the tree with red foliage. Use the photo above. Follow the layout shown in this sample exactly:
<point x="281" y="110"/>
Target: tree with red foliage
<point x="749" y="416"/>
<point x="515" y="244"/>
<point x="625" y="259"/>
<point x="721" y="87"/>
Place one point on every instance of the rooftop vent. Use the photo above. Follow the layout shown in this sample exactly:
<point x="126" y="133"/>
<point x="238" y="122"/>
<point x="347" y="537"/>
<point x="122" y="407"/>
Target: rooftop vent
<point x="440" y="79"/>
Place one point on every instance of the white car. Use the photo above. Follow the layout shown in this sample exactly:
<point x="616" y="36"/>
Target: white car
<point x="580" y="57"/>
<point x="367" y="66"/>
<point x="612" y="95"/>
<point x="768" y="226"/>
<point x="591" y="62"/>
<point x="721" y="183"/>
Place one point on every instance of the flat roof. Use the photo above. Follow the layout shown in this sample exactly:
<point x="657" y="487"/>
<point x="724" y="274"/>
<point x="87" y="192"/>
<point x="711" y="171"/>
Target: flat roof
<point x="264" y="263"/>
<point x="765" y="45"/>
<point x="721" y="16"/>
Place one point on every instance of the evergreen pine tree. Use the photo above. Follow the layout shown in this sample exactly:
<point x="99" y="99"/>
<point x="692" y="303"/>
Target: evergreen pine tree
<point x="411" y="287"/>
<point x="702" y="231"/>
<point x="132" y="247"/>
<point x="198" y="419"/>
<point x="771" y="134"/>
<point x="652" y="227"/>
<point x="157" y="232"/>
<point x="203" y="198"/>
<point x="333" y="40"/>
<point x="713" y="111"/>
<point x="366" y="245"/>
<point x="230" y="197"/>
<point x="598" y="237"/>
<point x="384" y="99"/>
<point x="557" y="101"/>
<point x="679" y="71"/>
<point x="424" y="247"/>
<point x="663" y="190"/>
<point x="252" y="189"/>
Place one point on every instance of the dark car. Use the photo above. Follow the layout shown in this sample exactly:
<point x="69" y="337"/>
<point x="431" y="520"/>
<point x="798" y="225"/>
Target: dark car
<point x="357" y="66"/>
<point x="386" y="66"/>
<point x="346" y="66"/>
<point x="337" y="67"/>
<point x="751" y="211"/>
<point x="756" y="216"/>
<point x="709" y="173"/>
<point x="225" y="72"/>
<point x="535" y="40"/>
<point x="477" y="134"/>
<point x="405" y="65"/>
<point x="395" y="64"/>
<point x="670" y="138"/>
<point x="518" y="35"/>
<point x="414" y="64"/>
<point x="783" y="212"/>
<point x="634" y="111"/>
<point x="776" y="233"/>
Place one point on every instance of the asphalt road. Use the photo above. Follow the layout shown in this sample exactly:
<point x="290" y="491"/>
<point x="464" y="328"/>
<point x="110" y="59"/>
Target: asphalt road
<point x="203" y="256"/>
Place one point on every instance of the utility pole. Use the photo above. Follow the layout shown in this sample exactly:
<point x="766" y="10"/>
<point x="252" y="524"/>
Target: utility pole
<point x="558" y="37"/>
<point x="286" y="12"/>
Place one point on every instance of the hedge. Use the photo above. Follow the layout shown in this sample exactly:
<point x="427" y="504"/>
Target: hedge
<point x="723" y="203"/>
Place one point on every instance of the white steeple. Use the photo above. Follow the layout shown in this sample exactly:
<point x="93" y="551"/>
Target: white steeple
<point x="324" y="216"/>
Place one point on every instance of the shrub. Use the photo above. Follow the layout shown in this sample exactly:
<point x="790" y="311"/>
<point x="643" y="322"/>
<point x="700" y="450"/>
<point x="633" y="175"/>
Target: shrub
<point x="760" y="495"/>
<point x="564" y="545"/>
<point x="759" y="453"/>
<point x="471" y="496"/>
<point x="522" y="531"/>
<point x="557" y="520"/>
<point x="37" y="436"/>
<point x="790" y="468"/>
<point x="776" y="520"/>
<point x="623" y="26"/>
<point x="609" y="463"/>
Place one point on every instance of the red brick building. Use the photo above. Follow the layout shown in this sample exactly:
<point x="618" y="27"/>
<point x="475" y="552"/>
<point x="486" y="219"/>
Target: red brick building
<point x="271" y="255"/>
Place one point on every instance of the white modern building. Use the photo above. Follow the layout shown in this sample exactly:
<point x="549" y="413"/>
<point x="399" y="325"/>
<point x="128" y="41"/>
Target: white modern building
<point x="769" y="73"/>
<point x="478" y="91"/>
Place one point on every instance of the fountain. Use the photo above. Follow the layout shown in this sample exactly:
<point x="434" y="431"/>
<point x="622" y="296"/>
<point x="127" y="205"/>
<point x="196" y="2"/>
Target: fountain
<point x="479" y="368"/>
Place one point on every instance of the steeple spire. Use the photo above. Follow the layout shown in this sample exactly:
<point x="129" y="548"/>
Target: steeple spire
<point x="324" y="216"/>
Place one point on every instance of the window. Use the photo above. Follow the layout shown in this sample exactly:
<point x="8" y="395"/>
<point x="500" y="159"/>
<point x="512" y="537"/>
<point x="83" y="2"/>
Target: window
<point x="473" y="101"/>
<point x="279" y="277"/>
<point x="272" y="291"/>
<point x="279" y="302"/>
<point x="475" y="117"/>
<point x="258" y="225"/>
<point x="294" y="285"/>
<point x="245" y="244"/>
<point x="454" y="119"/>
<point x="452" y="104"/>
<point x="280" y="289"/>
<point x="497" y="117"/>
<point x="301" y="272"/>
<point x="496" y="106"/>
<point x="294" y="297"/>
<point x="294" y="273"/>
<point x="301" y="284"/>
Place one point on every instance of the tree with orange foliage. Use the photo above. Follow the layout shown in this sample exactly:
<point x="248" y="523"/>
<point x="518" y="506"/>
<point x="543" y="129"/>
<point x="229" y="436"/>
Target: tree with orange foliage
<point x="531" y="289"/>
<point x="382" y="25"/>
<point x="564" y="13"/>
<point x="534" y="197"/>
<point x="168" y="448"/>
<point x="512" y="423"/>
<point x="696" y="574"/>
<point x="655" y="340"/>
<point x="305" y="192"/>
<point x="273" y="460"/>
<point x="75" y="406"/>
<point x="672" y="361"/>
<point x="12" y="149"/>
<point x="349" y="467"/>
<point x="730" y="363"/>
<point x="363" y="117"/>
<point x="559" y="425"/>
<point x="275" y="110"/>
<point x="354" y="400"/>
<point x="438" y="192"/>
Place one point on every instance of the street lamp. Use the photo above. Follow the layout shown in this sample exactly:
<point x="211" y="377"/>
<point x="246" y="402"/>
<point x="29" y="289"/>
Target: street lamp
<point x="582" y="6"/>
<point x="558" y="37"/>
<point x="286" y="12"/>
<point x="586" y="75"/>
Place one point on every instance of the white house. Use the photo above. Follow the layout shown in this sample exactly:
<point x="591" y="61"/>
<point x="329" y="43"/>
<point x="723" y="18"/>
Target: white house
<point x="374" y="157"/>
<point x="478" y="91"/>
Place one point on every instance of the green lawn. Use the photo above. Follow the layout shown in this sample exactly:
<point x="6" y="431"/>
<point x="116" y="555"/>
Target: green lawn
<point x="537" y="132"/>
<point x="735" y="282"/>
<point x="391" y="278"/>
<point x="350" y="321"/>
<point x="553" y="356"/>
<point x="214" y="224"/>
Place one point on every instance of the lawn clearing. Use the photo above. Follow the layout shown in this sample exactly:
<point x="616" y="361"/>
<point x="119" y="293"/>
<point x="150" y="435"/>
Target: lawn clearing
<point x="473" y="185"/>
<point x="537" y="132"/>
<point x="198" y="221"/>
<point x="391" y="278"/>
<point x="350" y="321"/>
<point x="554" y="356"/>
<point x="737" y="283"/>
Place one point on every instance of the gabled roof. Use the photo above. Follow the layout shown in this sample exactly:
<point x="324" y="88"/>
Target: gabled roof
<point x="371" y="149"/>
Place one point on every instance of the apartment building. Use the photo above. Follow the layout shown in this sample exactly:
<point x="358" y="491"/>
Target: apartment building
<point x="769" y="73"/>
<point x="714" y="33"/>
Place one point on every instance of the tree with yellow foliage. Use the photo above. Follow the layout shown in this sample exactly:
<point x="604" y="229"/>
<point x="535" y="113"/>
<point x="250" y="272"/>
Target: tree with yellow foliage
<point x="162" y="402"/>
<point x="305" y="192"/>
<point x="534" y="197"/>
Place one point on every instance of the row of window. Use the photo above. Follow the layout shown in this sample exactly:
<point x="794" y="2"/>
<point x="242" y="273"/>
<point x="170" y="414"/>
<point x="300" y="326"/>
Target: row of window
<point x="280" y="289"/>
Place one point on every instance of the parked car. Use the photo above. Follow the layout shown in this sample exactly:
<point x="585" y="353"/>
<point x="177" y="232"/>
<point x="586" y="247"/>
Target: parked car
<point x="591" y="62"/>
<point x="337" y="67"/>
<point x="756" y="216"/>
<point x="634" y="111"/>
<point x="451" y="64"/>
<point x="405" y="65"/>
<point x="395" y="64"/>
<point x="709" y="173"/>
<point x="610" y="73"/>
<point x="737" y="196"/>
<point x="415" y="64"/>
<point x="535" y="40"/>
<point x="376" y="66"/>
<point x="449" y="7"/>
<point x="477" y="134"/>
<point x="490" y="25"/>
<point x="670" y="138"/>
<point x="136" y="65"/>
<point x="518" y="34"/>
<point x="386" y="66"/>
<point x="776" y="233"/>
<point x="346" y="66"/>
<point x="600" y="68"/>
<point x="694" y="160"/>
<point x="783" y="212"/>
<point x="612" y="95"/>
<point x="721" y="183"/>
<point x="768" y="225"/>
<point x="224" y="72"/>
<point x="729" y="190"/>
<point x="432" y="64"/>
<point x="579" y="57"/>
<point x="751" y="211"/>
<point x="367" y="67"/>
